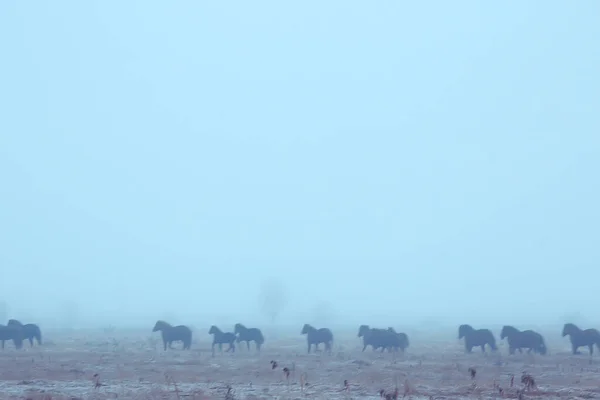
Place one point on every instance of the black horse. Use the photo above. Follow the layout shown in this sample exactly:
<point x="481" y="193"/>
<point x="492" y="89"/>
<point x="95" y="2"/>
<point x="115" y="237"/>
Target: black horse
<point x="401" y="340"/>
<point x="220" y="337"/>
<point x="579" y="338"/>
<point x="30" y="331"/>
<point x="248" y="335"/>
<point x="316" y="336"/>
<point x="377" y="338"/>
<point x="172" y="334"/>
<point x="519" y="340"/>
<point x="476" y="337"/>
<point x="14" y="333"/>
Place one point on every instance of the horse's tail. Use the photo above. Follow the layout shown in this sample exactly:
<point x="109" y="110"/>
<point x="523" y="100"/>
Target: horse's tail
<point x="38" y="334"/>
<point x="260" y="339"/>
<point x="597" y="338"/>
<point x="492" y="341"/>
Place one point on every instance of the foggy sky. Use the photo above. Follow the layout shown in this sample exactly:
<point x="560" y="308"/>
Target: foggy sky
<point x="399" y="161"/>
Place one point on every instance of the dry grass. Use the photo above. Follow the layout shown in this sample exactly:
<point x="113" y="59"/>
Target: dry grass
<point x="133" y="366"/>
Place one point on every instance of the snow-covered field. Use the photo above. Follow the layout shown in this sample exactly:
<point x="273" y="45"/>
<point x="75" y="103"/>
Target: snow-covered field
<point x="132" y="365"/>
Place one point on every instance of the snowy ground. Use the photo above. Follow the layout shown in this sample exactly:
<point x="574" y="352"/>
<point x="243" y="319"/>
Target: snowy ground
<point x="133" y="366"/>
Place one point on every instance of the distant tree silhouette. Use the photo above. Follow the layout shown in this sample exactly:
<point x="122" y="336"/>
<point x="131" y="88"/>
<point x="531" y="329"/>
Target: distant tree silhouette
<point x="273" y="298"/>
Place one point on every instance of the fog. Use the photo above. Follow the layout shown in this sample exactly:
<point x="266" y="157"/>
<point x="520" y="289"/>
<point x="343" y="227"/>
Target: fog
<point x="362" y="162"/>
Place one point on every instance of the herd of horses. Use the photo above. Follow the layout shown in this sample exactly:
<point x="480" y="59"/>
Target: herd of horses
<point x="17" y="332"/>
<point x="529" y="340"/>
<point x="378" y="338"/>
<point x="388" y="339"/>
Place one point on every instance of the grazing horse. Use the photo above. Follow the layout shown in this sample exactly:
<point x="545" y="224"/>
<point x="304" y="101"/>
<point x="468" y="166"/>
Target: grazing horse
<point x="220" y="337"/>
<point x="248" y="335"/>
<point x="476" y="337"/>
<point x="579" y="338"/>
<point x="401" y="341"/>
<point x="14" y="333"/>
<point x="30" y="331"/>
<point x="519" y="340"/>
<point x="172" y="334"/>
<point x="316" y="336"/>
<point x="376" y="338"/>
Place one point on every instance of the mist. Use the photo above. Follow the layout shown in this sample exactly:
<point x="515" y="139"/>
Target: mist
<point x="380" y="163"/>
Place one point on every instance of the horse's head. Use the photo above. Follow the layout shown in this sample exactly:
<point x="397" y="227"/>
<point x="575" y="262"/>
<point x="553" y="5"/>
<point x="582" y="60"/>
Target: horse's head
<point x="569" y="329"/>
<point x="14" y="322"/>
<point x="238" y="328"/>
<point x="306" y="328"/>
<point x="464" y="330"/>
<point x="390" y="329"/>
<point x="213" y="329"/>
<point x="404" y="339"/>
<point x="507" y="330"/>
<point x="159" y="326"/>
<point x="363" y="330"/>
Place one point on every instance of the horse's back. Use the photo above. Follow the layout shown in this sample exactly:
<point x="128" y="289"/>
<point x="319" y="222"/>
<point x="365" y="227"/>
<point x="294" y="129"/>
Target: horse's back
<point x="325" y="333"/>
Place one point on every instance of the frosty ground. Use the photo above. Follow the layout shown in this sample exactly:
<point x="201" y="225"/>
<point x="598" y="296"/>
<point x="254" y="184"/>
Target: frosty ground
<point x="132" y="365"/>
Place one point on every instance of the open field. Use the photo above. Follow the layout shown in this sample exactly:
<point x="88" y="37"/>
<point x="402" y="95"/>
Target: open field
<point x="132" y="365"/>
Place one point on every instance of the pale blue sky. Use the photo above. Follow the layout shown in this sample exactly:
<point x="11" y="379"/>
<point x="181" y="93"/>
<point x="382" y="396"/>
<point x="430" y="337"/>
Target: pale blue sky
<point x="362" y="152"/>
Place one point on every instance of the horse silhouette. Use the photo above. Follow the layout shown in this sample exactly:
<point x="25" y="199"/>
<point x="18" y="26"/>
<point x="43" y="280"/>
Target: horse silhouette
<point x="172" y="334"/>
<point x="249" y="335"/>
<point x="220" y="337"/>
<point x="14" y="333"/>
<point x="579" y="338"/>
<point x="316" y="336"/>
<point x="476" y="337"/>
<point x="30" y="331"/>
<point x="519" y="340"/>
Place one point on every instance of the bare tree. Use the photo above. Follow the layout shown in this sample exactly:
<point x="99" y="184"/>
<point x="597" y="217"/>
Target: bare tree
<point x="273" y="298"/>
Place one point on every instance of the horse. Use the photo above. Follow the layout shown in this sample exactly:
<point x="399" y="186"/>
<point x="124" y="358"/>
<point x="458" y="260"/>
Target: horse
<point x="30" y="331"/>
<point x="519" y="340"/>
<point x="579" y="338"/>
<point x="376" y="338"/>
<point x="401" y="340"/>
<point x="220" y="337"/>
<point x="14" y="333"/>
<point x="316" y="336"/>
<point x="476" y="337"/>
<point x="172" y="334"/>
<point x="248" y="334"/>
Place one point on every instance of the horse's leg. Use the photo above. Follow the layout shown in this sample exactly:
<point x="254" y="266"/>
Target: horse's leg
<point x="591" y="347"/>
<point x="213" y="349"/>
<point x="309" y="344"/>
<point x="483" y="348"/>
<point x="165" y="344"/>
<point x="248" y="344"/>
<point x="574" y="349"/>
<point x="221" y="347"/>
